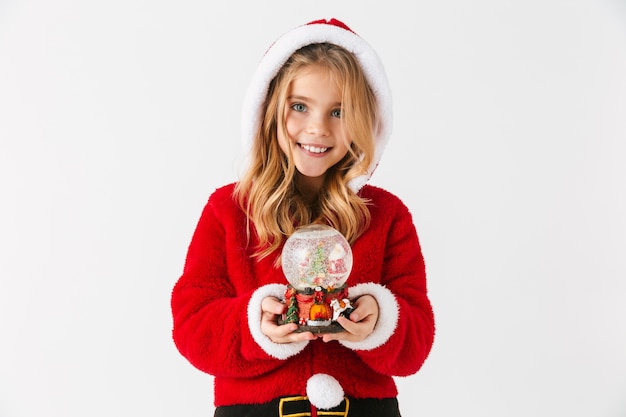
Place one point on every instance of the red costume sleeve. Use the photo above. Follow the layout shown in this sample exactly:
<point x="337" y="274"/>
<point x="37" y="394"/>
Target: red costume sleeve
<point x="403" y="274"/>
<point x="209" y="313"/>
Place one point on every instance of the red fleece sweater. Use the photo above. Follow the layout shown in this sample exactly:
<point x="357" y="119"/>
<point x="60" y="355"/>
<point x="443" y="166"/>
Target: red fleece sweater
<point x="213" y="329"/>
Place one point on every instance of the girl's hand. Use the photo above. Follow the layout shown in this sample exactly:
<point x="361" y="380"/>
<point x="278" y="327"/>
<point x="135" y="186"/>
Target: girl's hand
<point x="361" y="322"/>
<point x="270" y="309"/>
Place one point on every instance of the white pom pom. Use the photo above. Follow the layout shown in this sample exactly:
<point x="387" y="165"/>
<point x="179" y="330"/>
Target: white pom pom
<point x="324" y="391"/>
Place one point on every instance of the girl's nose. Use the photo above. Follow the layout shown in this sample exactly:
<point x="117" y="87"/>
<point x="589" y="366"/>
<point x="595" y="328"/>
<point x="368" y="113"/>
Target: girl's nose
<point x="317" y="125"/>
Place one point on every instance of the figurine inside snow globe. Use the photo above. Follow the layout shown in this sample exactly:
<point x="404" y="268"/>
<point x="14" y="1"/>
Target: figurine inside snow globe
<point x="316" y="260"/>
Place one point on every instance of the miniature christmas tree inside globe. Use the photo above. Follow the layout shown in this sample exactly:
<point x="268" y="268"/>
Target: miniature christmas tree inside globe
<point x="316" y="256"/>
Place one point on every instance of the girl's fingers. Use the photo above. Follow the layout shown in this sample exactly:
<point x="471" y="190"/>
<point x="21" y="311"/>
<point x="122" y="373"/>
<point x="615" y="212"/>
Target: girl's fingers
<point x="271" y="305"/>
<point x="271" y="308"/>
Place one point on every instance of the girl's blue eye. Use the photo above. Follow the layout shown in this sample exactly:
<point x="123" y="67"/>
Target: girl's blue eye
<point x="336" y="113"/>
<point x="298" y="107"/>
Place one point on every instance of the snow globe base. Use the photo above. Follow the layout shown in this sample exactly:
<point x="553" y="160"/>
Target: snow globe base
<point x="333" y="327"/>
<point x="316" y="310"/>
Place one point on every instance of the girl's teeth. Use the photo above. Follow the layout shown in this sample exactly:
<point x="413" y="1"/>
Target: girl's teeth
<point x="314" y="149"/>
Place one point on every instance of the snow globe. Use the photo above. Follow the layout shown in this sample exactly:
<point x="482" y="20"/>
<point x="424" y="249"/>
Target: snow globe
<point x="316" y="260"/>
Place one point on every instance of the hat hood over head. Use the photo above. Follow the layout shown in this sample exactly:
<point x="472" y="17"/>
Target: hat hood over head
<point x="320" y="31"/>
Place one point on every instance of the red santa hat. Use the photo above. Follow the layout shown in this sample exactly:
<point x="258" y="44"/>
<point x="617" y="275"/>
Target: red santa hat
<point x="320" y="31"/>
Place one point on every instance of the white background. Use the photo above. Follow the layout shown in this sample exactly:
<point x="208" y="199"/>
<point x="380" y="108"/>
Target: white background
<point x="119" y="117"/>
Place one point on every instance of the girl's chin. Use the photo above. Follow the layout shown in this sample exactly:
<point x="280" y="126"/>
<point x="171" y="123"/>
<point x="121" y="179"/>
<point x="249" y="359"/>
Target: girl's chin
<point x="311" y="179"/>
<point x="312" y="175"/>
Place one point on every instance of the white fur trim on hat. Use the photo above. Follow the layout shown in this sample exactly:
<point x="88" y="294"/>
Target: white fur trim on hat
<point x="330" y="31"/>
<point x="277" y="350"/>
<point x="388" y="312"/>
<point x="324" y="391"/>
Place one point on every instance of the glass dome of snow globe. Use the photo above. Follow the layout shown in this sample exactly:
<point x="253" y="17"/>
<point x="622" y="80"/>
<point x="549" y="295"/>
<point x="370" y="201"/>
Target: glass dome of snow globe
<point x="316" y="255"/>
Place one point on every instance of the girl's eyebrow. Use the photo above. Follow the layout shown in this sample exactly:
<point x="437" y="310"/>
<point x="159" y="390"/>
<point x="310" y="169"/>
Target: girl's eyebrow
<point x="303" y="98"/>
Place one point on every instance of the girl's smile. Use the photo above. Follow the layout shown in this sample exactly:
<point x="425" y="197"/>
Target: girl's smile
<point x="313" y="149"/>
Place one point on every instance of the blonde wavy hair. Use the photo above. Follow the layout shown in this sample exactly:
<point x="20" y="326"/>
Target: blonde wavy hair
<point x="267" y="192"/>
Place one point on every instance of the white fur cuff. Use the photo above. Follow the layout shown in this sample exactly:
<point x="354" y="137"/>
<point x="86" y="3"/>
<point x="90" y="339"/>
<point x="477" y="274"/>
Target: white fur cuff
<point x="277" y="350"/>
<point x="388" y="311"/>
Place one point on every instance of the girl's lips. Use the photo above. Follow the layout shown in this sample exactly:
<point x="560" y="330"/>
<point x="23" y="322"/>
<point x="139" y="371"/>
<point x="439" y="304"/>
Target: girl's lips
<point x="314" y="149"/>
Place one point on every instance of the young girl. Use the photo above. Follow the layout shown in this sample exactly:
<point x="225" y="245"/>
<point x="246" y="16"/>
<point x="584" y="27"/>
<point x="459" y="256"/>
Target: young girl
<point x="316" y="118"/>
